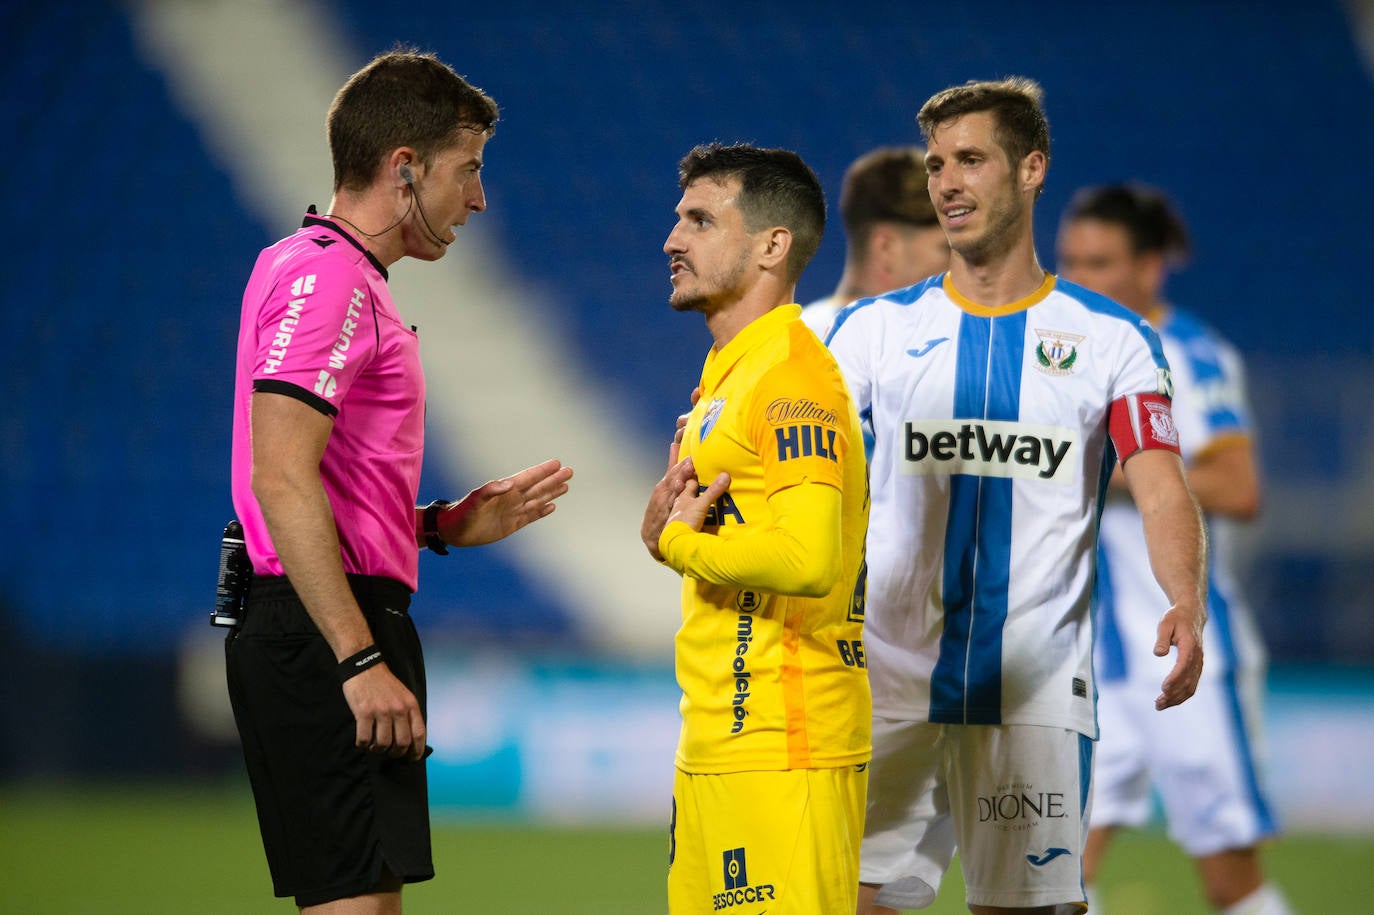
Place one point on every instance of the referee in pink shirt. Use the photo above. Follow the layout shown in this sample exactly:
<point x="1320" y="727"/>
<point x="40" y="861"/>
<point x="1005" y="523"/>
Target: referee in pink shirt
<point x="325" y="673"/>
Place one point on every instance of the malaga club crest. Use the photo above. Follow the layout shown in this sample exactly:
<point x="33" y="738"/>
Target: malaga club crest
<point x="1057" y="351"/>
<point x="709" y="420"/>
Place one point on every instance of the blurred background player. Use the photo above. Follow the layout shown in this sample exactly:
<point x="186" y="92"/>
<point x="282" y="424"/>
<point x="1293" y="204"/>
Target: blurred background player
<point x="997" y="393"/>
<point x="768" y="793"/>
<point x="1121" y="241"/>
<point x="892" y="235"/>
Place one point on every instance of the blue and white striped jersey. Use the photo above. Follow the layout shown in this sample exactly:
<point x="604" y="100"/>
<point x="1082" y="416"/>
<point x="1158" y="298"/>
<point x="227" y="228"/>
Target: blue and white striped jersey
<point x="990" y="459"/>
<point x="1210" y="410"/>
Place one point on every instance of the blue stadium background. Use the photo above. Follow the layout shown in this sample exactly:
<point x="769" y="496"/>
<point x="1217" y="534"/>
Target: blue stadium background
<point x="127" y="247"/>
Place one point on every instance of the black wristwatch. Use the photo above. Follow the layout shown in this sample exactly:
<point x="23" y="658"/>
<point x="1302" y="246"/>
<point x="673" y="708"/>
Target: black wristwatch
<point x="430" y="523"/>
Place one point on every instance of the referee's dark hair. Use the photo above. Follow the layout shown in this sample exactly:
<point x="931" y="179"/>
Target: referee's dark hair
<point x="1151" y="222"/>
<point x="776" y="189"/>
<point x="403" y="97"/>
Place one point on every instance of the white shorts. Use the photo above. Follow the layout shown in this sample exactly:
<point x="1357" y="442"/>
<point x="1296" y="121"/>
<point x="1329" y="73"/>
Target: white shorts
<point x="1012" y="798"/>
<point x="1201" y="757"/>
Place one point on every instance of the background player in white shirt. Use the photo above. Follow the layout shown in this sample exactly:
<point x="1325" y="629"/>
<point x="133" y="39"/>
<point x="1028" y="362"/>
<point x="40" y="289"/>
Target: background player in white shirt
<point x="1000" y="398"/>
<point x="892" y="235"/>
<point x="1121" y="241"/>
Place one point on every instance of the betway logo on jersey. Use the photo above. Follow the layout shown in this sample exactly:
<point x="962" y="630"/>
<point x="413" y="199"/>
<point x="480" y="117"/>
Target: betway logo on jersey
<point x="989" y="448"/>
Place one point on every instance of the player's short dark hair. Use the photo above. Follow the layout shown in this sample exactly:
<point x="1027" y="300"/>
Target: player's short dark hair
<point x="1146" y="214"/>
<point x="403" y="97"/>
<point x="887" y="184"/>
<point x="1014" y="103"/>
<point x="776" y="189"/>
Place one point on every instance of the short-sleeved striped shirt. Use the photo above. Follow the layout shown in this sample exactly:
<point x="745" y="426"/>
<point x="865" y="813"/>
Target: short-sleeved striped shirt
<point x="991" y="453"/>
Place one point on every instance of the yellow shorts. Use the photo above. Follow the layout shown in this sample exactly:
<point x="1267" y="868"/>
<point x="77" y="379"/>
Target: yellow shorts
<point x="784" y="843"/>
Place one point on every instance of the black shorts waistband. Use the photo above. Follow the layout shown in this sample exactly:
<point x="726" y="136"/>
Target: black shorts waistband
<point x="369" y="590"/>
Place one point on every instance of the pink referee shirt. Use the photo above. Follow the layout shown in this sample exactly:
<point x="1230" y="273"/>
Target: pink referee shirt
<point x="319" y="325"/>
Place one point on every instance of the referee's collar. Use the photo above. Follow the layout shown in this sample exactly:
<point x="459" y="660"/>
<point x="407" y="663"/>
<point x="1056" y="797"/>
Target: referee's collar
<point x="313" y="220"/>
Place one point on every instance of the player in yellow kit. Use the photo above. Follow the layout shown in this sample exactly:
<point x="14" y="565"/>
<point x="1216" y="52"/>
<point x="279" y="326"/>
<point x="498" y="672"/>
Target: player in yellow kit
<point x="771" y="778"/>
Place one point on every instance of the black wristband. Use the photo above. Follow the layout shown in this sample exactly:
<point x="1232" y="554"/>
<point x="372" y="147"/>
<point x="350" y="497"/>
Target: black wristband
<point x="430" y="525"/>
<point x="355" y="664"/>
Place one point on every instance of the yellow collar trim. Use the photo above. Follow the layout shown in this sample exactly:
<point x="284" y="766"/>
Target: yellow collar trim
<point x="984" y="311"/>
<point x="720" y="362"/>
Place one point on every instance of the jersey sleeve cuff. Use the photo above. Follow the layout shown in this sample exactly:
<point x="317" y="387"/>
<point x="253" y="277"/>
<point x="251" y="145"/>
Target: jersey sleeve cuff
<point x="673" y="533"/>
<point x="309" y="398"/>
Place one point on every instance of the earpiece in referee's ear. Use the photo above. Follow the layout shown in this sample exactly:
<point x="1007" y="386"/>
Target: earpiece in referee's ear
<point x="406" y="174"/>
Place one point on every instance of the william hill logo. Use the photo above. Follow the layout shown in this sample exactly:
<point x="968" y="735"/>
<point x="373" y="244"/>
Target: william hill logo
<point x="990" y="448"/>
<point x="737" y="888"/>
<point x="787" y="410"/>
<point x="805" y="441"/>
<point x="803" y="428"/>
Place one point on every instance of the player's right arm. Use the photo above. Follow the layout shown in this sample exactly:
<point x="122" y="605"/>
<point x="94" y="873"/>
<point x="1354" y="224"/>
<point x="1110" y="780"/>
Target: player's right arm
<point x="289" y="439"/>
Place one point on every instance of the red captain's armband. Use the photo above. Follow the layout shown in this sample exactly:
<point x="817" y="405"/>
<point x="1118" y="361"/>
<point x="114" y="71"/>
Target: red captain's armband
<point x="1140" y="421"/>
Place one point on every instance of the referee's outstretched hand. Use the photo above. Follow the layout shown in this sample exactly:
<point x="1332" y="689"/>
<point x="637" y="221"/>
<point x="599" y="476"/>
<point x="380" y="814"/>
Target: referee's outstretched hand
<point x="387" y="714"/>
<point x="499" y="508"/>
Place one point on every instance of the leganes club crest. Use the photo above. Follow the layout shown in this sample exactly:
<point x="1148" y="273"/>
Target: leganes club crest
<point x="1057" y="352"/>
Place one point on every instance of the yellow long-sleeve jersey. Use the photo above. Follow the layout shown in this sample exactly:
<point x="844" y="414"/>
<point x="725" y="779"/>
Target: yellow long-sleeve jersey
<point x="770" y="654"/>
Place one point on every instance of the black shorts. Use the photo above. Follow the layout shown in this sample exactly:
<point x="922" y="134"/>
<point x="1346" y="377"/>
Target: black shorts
<point x="332" y="815"/>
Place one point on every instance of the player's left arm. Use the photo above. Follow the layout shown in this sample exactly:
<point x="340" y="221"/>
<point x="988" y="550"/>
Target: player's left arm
<point x="1142" y="430"/>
